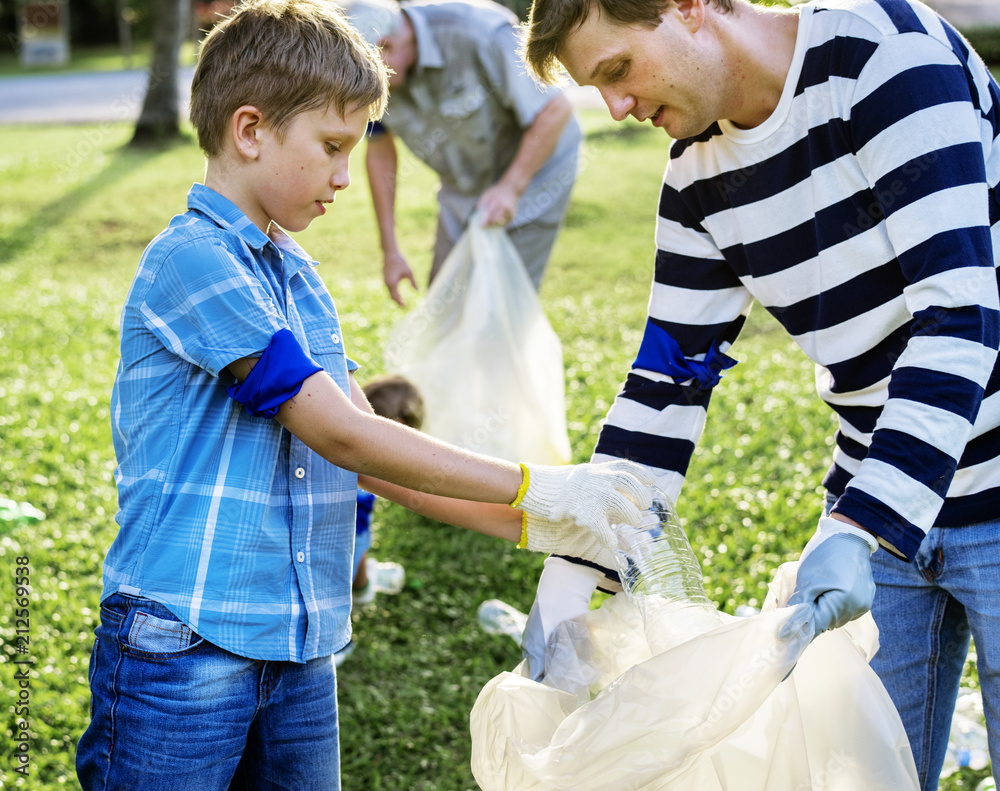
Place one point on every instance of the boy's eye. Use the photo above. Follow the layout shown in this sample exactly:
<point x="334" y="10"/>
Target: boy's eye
<point x="332" y="148"/>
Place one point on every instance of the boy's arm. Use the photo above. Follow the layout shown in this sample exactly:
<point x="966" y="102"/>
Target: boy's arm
<point x="567" y="509"/>
<point x="326" y="420"/>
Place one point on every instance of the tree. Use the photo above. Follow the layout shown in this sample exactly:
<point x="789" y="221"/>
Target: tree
<point x="159" y="119"/>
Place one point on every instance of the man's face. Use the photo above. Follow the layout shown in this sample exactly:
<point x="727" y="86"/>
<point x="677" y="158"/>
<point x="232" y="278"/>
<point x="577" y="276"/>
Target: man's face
<point x="396" y="55"/>
<point x="657" y="74"/>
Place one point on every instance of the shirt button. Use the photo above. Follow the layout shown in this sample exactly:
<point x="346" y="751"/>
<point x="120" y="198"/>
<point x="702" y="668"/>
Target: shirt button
<point x="300" y="473"/>
<point x="335" y="338"/>
<point x="301" y="557"/>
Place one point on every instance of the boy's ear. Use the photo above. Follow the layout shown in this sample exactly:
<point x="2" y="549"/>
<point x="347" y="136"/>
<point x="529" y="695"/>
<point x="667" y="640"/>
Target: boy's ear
<point x="246" y="126"/>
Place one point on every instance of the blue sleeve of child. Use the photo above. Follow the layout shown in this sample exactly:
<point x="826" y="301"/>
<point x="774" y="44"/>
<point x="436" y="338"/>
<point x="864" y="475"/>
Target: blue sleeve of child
<point x="277" y="376"/>
<point x="366" y="502"/>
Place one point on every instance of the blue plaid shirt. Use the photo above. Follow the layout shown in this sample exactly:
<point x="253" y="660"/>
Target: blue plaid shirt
<point x="237" y="527"/>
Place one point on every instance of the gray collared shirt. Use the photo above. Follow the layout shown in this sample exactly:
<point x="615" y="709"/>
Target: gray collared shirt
<point x="466" y="104"/>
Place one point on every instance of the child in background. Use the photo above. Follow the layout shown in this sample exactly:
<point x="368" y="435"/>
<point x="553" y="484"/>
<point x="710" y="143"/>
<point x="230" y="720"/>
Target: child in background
<point x="241" y="439"/>
<point x="397" y="398"/>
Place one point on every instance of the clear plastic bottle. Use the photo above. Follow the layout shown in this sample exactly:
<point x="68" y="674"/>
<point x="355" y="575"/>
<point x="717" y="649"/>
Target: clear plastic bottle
<point x="662" y="576"/>
<point x="968" y="743"/>
<point x="498" y="617"/>
<point x="11" y="511"/>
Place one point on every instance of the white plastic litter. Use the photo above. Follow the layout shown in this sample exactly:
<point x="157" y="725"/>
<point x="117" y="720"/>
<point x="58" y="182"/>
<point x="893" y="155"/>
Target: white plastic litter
<point x="968" y="742"/>
<point x="657" y="690"/>
<point x="484" y="356"/>
<point x="498" y="617"/>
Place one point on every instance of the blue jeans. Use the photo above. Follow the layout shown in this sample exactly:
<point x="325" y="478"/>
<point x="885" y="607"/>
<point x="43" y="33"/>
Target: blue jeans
<point x="172" y="712"/>
<point x="926" y="612"/>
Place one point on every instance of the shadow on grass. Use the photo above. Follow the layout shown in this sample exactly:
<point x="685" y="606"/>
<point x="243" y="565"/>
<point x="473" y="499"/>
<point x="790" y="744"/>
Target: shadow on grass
<point x="121" y="162"/>
<point x="621" y="133"/>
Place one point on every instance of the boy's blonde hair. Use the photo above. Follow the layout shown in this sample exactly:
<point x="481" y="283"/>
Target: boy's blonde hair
<point x="397" y="398"/>
<point x="283" y="57"/>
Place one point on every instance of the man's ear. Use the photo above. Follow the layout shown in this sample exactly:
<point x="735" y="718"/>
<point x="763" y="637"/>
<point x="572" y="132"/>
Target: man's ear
<point x="692" y="12"/>
<point x="245" y="127"/>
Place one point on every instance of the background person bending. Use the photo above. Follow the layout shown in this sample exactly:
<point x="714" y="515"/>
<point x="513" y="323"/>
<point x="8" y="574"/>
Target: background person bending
<point x="463" y="102"/>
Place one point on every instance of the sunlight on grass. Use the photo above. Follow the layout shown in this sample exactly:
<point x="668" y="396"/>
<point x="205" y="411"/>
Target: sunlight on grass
<point x="76" y="211"/>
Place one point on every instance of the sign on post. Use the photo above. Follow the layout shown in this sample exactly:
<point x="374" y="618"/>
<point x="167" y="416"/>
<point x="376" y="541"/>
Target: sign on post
<point x="43" y="32"/>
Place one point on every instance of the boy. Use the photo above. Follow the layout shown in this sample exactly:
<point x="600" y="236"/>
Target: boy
<point x="239" y="431"/>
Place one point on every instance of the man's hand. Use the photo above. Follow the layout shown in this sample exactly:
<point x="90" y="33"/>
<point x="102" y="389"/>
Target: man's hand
<point x="394" y="271"/>
<point x="498" y="205"/>
<point x="594" y="496"/>
<point x="835" y="574"/>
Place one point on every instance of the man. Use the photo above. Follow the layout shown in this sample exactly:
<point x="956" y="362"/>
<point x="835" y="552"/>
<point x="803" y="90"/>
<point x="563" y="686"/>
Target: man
<point x="463" y="102"/>
<point x="838" y="163"/>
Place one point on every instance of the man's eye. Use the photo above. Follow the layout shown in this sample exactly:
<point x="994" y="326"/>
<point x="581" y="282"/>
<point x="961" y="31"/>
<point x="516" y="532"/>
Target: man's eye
<point x="620" y="71"/>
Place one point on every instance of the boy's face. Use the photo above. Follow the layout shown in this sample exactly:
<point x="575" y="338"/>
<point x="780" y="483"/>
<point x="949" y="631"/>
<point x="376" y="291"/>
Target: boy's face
<point x="297" y="176"/>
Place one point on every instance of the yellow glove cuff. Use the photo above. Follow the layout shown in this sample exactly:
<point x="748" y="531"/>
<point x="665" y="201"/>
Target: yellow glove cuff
<point x="523" y="489"/>
<point x="523" y="543"/>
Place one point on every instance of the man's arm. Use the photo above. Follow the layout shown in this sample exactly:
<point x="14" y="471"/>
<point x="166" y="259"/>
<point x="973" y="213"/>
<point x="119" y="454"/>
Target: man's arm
<point x="381" y="163"/>
<point x="499" y="202"/>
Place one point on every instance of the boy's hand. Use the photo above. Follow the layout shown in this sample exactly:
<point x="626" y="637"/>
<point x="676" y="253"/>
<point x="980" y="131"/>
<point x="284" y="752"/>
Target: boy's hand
<point x="594" y="496"/>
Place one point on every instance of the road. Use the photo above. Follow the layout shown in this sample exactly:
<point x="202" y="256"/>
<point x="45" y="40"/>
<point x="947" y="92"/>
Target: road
<point x="98" y="97"/>
<point x="90" y="97"/>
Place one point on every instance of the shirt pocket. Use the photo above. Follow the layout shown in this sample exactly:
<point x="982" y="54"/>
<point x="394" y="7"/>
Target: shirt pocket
<point x="326" y="347"/>
<point x="466" y="115"/>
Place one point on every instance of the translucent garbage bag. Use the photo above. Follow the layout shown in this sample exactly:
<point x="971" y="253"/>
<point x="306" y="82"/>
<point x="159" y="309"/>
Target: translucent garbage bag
<point x="656" y="691"/>
<point x="482" y="352"/>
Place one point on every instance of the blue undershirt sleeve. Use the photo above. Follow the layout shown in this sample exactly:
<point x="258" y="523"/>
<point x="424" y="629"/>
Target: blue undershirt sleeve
<point x="277" y="376"/>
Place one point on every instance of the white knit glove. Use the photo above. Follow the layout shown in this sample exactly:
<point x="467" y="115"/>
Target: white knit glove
<point x="593" y="495"/>
<point x="565" y="537"/>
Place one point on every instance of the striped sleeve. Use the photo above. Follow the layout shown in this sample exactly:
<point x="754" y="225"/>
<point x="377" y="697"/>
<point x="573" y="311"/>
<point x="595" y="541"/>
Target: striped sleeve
<point x="697" y="307"/>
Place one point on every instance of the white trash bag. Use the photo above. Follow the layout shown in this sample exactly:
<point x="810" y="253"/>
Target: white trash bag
<point x="484" y="356"/>
<point x="658" y="691"/>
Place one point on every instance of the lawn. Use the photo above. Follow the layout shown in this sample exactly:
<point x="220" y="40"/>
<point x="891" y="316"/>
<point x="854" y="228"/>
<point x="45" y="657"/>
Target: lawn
<point x="76" y="211"/>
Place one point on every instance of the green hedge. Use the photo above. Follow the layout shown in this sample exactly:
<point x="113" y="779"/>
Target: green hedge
<point x="986" y="41"/>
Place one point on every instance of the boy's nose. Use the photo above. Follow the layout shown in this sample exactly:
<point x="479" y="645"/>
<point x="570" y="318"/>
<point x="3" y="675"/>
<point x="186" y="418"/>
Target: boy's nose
<point x="341" y="178"/>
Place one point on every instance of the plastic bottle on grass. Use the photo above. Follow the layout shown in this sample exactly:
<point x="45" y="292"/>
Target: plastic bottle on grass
<point x="498" y="617"/>
<point x="968" y="743"/>
<point x="11" y="511"/>
<point x="662" y="576"/>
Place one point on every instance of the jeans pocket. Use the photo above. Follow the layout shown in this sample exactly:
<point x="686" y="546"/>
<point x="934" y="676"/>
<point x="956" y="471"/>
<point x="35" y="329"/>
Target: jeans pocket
<point x="152" y="635"/>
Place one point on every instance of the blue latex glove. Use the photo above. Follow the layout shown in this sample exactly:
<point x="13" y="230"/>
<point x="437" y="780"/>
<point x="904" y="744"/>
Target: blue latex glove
<point x="835" y="574"/>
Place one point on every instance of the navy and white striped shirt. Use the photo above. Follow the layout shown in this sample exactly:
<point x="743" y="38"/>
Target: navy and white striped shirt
<point x="864" y="214"/>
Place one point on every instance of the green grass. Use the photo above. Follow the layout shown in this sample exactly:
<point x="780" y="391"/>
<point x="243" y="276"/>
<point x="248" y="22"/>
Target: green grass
<point x="67" y="254"/>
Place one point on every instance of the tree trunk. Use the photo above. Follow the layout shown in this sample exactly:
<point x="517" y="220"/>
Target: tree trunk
<point x="159" y="120"/>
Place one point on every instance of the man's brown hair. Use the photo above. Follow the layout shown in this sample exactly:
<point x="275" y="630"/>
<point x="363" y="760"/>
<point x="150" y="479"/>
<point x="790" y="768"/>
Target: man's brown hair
<point x="283" y="57"/>
<point x="551" y="21"/>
